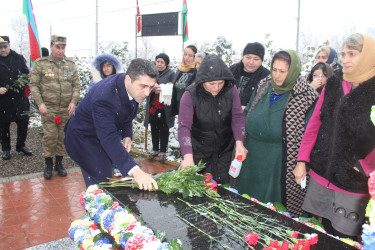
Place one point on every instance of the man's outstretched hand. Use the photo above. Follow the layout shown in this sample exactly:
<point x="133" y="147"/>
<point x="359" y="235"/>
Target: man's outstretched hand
<point x="144" y="180"/>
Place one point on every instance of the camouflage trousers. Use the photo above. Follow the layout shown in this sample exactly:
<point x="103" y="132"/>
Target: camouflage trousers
<point x="53" y="138"/>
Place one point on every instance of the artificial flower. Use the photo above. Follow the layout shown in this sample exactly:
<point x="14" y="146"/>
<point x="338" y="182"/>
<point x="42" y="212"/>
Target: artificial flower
<point x="371" y="184"/>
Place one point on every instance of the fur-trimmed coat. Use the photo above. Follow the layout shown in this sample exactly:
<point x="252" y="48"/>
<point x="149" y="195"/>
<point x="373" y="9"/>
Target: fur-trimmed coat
<point x="96" y="71"/>
<point x="300" y="103"/>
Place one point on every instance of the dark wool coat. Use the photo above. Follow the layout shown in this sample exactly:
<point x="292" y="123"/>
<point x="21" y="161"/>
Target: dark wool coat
<point x="346" y="135"/>
<point x="300" y="103"/>
<point x="250" y="84"/>
<point x="91" y="137"/>
<point x="166" y="76"/>
<point x="13" y="105"/>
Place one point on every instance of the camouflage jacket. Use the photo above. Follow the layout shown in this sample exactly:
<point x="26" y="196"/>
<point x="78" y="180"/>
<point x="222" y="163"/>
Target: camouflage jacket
<point x="55" y="83"/>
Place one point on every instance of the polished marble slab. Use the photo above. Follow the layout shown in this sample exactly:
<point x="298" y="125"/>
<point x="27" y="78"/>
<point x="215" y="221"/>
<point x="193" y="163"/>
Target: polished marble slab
<point x="159" y="211"/>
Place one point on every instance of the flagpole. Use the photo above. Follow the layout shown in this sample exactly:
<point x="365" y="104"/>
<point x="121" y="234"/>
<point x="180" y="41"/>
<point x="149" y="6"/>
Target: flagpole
<point x="136" y="30"/>
<point x="183" y="31"/>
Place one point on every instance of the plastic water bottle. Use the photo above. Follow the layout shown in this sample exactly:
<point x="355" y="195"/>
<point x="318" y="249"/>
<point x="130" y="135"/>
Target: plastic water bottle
<point x="235" y="166"/>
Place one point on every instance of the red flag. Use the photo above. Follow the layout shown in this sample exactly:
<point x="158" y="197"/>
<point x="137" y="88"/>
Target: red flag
<point x="138" y="19"/>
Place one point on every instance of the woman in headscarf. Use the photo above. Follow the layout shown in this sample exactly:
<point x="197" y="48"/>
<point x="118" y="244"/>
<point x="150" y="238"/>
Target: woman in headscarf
<point x="185" y="76"/>
<point x="328" y="55"/>
<point x="275" y="122"/>
<point x="339" y="143"/>
<point x="212" y="122"/>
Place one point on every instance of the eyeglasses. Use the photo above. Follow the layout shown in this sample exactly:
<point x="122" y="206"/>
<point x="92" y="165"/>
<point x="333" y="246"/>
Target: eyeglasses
<point x="350" y="54"/>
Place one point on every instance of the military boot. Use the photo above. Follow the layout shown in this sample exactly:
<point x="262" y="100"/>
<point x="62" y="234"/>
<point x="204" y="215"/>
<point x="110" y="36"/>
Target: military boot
<point x="48" y="168"/>
<point x="59" y="167"/>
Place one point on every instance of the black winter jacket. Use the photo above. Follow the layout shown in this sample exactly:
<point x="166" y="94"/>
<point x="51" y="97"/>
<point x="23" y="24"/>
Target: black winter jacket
<point x="212" y="136"/>
<point x="247" y="85"/>
<point x="13" y="104"/>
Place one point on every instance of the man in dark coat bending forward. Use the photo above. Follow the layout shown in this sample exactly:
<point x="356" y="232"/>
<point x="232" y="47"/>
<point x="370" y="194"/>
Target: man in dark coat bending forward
<point x="91" y="135"/>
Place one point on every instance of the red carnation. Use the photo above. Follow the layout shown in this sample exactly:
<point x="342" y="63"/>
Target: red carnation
<point x="294" y="235"/>
<point x="57" y="119"/>
<point x="208" y="178"/>
<point x="314" y="239"/>
<point x="253" y="200"/>
<point x="295" y="247"/>
<point x="253" y="240"/>
<point x="274" y="244"/>
<point x="301" y="242"/>
<point x="285" y="245"/>
<point x="213" y="185"/>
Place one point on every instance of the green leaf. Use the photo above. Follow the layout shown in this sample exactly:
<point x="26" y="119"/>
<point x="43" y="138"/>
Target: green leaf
<point x="227" y="185"/>
<point x="127" y="209"/>
<point x="279" y="207"/>
<point x="316" y="222"/>
<point x="160" y="235"/>
<point x="246" y="196"/>
<point x="369" y="207"/>
<point x="175" y="244"/>
<point x="127" y="235"/>
<point x="141" y="221"/>
<point x="185" y="193"/>
<point x="107" y="201"/>
<point x="99" y="236"/>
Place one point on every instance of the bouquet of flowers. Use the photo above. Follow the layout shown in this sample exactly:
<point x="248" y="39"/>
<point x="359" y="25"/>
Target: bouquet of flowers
<point x="106" y="225"/>
<point x="184" y="181"/>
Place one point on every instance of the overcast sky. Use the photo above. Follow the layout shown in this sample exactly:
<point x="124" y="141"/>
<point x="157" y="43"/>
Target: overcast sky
<point x="240" y="21"/>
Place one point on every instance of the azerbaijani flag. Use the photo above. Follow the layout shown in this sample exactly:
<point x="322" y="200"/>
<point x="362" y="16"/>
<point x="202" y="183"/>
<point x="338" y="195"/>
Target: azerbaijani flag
<point x="33" y="31"/>
<point x="185" y="33"/>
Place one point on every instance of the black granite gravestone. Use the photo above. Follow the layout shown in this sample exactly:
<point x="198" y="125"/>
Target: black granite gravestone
<point x="159" y="211"/>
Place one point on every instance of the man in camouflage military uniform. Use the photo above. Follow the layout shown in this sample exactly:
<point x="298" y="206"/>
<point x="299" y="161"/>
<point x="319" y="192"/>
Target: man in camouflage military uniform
<point x="55" y="88"/>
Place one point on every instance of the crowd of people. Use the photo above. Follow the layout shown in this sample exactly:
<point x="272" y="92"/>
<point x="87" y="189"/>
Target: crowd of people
<point x="288" y="128"/>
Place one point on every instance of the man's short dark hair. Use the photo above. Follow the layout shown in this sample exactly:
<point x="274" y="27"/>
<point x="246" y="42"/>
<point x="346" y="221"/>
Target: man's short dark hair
<point x="139" y="67"/>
